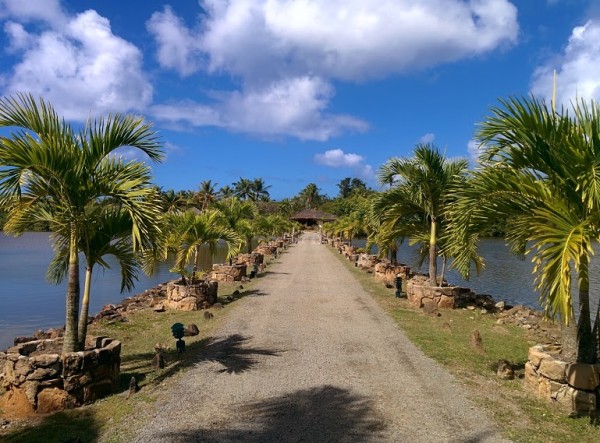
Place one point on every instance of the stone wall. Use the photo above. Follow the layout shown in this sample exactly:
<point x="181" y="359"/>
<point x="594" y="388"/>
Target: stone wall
<point x="228" y="273"/>
<point x="250" y="260"/>
<point x="367" y="261"/>
<point x="419" y="293"/>
<point x="190" y="297"/>
<point x="38" y="377"/>
<point x="386" y="272"/>
<point x="572" y="386"/>
<point x="266" y="250"/>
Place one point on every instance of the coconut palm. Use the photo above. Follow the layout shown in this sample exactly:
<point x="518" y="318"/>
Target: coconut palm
<point x="206" y="193"/>
<point x="310" y="196"/>
<point x="108" y="233"/>
<point x="259" y="191"/>
<point x="226" y="192"/>
<point x="419" y="196"/>
<point x="189" y="231"/>
<point x="541" y="169"/>
<point x="49" y="171"/>
<point x="243" y="188"/>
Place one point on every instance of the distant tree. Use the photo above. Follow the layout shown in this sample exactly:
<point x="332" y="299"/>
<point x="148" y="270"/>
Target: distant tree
<point x="226" y="192"/>
<point x="311" y="196"/>
<point x="172" y="201"/>
<point x="243" y="188"/>
<point x="258" y="190"/>
<point x="206" y="193"/>
<point x="349" y="186"/>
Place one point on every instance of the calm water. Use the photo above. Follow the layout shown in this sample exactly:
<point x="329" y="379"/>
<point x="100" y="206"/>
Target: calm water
<point x="28" y="302"/>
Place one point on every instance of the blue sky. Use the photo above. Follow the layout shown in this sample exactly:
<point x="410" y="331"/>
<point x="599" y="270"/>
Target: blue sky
<point x="297" y="91"/>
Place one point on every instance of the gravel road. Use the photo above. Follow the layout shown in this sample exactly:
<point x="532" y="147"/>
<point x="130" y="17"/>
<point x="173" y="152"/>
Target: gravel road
<point x="310" y="357"/>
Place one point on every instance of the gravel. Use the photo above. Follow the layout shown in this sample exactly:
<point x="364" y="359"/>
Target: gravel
<point x="310" y="357"/>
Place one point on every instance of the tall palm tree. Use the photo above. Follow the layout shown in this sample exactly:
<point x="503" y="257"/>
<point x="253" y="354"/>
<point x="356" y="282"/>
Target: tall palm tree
<point x="541" y="169"/>
<point x="238" y="217"/>
<point x="172" y="201"/>
<point x="206" y="193"/>
<point x="311" y="196"/>
<point x="189" y="231"/>
<point x="226" y="192"/>
<point x="259" y="191"/>
<point x="47" y="170"/>
<point x="419" y="196"/>
<point x="243" y="188"/>
<point x="108" y="233"/>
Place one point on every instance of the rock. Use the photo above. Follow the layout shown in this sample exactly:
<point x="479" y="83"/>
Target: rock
<point x="583" y="376"/>
<point x="553" y="369"/>
<point x="500" y="305"/>
<point x="208" y="315"/>
<point x="429" y="307"/>
<point x="217" y="306"/>
<point x="54" y="399"/>
<point x="476" y="341"/>
<point x="158" y="362"/>
<point x="159" y="307"/>
<point x="505" y="370"/>
<point x="191" y="329"/>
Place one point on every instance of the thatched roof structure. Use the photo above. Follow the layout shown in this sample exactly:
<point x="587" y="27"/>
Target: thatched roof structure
<point x="312" y="216"/>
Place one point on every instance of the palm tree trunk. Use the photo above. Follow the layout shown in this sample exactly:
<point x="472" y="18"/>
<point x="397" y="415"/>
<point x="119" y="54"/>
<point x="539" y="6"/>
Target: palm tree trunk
<point x="433" y="252"/>
<point x="85" y="308"/>
<point x="249" y="244"/>
<point x="444" y="260"/>
<point x="596" y="333"/>
<point x="196" y="263"/>
<point x="585" y="339"/>
<point x="72" y="299"/>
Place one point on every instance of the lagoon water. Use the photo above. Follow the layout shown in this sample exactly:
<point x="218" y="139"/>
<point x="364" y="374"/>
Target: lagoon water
<point x="28" y="302"/>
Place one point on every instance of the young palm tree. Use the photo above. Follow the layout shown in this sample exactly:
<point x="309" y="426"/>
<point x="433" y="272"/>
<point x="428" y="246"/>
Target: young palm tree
<point x="189" y="231"/>
<point x="419" y="196"/>
<point x="48" y="168"/>
<point x="108" y="233"/>
<point x="541" y="169"/>
<point x="238" y="217"/>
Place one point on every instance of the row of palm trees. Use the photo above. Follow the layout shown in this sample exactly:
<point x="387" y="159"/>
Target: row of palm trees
<point x="97" y="203"/>
<point x="540" y="170"/>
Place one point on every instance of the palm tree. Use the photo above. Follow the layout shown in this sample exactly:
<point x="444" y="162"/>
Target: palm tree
<point x="48" y="171"/>
<point x="189" y="231"/>
<point x="419" y="196"/>
<point x="311" y="196"/>
<point x="238" y="217"/>
<point x="259" y="191"/>
<point x="243" y="188"/>
<point x="206" y="193"/>
<point x="226" y="192"/>
<point x="172" y="201"/>
<point x="108" y="233"/>
<point x="540" y="168"/>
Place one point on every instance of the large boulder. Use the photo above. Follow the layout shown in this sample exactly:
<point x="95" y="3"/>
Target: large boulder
<point x="190" y="297"/>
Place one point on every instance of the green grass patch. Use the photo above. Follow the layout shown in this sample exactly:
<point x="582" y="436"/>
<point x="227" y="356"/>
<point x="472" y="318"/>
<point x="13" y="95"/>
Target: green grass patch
<point x="521" y="416"/>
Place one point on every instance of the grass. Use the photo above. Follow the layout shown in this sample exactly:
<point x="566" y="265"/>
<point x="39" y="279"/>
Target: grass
<point x="521" y="416"/>
<point x="115" y="418"/>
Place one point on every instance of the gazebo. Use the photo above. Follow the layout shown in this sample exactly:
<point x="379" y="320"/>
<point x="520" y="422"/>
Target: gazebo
<point x="311" y="217"/>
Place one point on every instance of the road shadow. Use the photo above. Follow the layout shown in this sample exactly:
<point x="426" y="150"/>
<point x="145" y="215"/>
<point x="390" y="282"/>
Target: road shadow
<point x="322" y="414"/>
<point x="233" y="352"/>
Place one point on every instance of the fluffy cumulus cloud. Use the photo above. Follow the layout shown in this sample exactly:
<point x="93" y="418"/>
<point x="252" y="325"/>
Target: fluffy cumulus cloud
<point x="293" y="106"/>
<point x="337" y="158"/>
<point x="474" y="149"/>
<point x="75" y="62"/>
<point x="427" y="138"/>
<point x="268" y="45"/>
<point x="577" y="68"/>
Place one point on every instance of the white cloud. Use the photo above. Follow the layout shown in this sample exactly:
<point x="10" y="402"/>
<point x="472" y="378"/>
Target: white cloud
<point x="345" y="39"/>
<point x="178" y="49"/>
<point x="293" y="107"/>
<point x="474" y="149"/>
<point x="577" y="68"/>
<point x="82" y="68"/>
<point x="29" y="10"/>
<point x="337" y="158"/>
<point x="427" y="138"/>
<point x="285" y="54"/>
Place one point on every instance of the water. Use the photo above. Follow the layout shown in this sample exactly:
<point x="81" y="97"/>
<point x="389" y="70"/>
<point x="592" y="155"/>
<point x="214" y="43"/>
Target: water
<point x="28" y="302"/>
<point x="505" y="276"/>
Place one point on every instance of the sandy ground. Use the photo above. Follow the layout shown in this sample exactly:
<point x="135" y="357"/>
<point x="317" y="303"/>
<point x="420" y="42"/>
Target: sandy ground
<point x="310" y="357"/>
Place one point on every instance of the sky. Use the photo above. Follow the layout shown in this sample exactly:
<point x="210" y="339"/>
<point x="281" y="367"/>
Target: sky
<point x="297" y="91"/>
